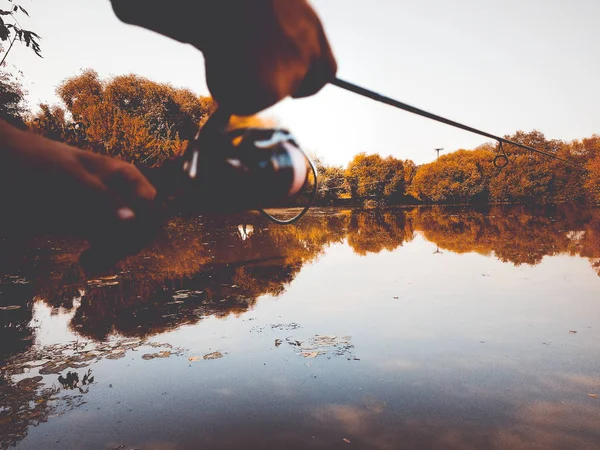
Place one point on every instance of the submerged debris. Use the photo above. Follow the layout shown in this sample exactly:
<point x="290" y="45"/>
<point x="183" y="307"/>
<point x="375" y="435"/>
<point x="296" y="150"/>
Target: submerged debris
<point x="31" y="391"/>
<point x="276" y="327"/>
<point x="321" y="344"/>
<point x="285" y="326"/>
<point x="213" y="355"/>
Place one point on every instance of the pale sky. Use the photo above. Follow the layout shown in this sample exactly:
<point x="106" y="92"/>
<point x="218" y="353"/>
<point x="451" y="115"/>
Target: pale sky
<point x="497" y="65"/>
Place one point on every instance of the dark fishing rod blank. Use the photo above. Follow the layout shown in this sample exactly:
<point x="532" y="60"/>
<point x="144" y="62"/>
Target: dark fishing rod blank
<point x="501" y="159"/>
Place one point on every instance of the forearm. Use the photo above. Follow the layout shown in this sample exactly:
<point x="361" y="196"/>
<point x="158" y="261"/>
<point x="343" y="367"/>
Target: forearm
<point x="10" y="137"/>
<point x="27" y="158"/>
<point x="18" y="174"/>
<point x="197" y="22"/>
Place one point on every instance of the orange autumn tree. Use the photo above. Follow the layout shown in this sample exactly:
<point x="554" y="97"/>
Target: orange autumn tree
<point x="590" y="149"/>
<point x="530" y="177"/>
<point x="469" y="176"/>
<point x="331" y="181"/>
<point x="459" y="177"/>
<point x="129" y="117"/>
<point x="374" y="177"/>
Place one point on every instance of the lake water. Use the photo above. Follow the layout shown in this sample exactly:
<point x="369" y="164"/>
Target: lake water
<point x="410" y="328"/>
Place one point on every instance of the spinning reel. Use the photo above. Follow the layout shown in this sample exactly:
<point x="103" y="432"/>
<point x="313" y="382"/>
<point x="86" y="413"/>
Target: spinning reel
<point x="240" y="169"/>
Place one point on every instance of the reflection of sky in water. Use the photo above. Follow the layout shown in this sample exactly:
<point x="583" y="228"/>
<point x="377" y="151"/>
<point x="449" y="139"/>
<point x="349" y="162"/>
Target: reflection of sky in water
<point x="446" y="350"/>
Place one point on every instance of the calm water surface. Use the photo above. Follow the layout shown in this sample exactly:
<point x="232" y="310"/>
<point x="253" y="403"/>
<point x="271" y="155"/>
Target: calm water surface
<point x="417" y="328"/>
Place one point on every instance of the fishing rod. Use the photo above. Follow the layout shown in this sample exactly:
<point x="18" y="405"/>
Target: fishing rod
<point x="500" y="160"/>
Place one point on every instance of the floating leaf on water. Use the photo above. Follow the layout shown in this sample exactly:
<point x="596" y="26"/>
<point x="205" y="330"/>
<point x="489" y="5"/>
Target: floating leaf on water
<point x="10" y="307"/>
<point x="593" y="395"/>
<point x="158" y="345"/>
<point x="109" y="277"/>
<point x="213" y="355"/>
<point x="163" y="354"/>
<point x="186" y="293"/>
<point x="572" y="331"/>
<point x="278" y="342"/>
<point x="321" y="344"/>
<point x="285" y="326"/>
<point x="194" y="358"/>
<point x="101" y="283"/>
<point x="346" y="440"/>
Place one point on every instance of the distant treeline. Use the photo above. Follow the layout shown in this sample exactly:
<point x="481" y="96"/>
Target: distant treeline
<point x="469" y="176"/>
<point x="144" y="122"/>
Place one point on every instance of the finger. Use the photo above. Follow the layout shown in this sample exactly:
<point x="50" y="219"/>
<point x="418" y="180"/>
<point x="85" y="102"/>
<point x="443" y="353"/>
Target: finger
<point x="321" y="72"/>
<point x="131" y="189"/>
<point x="239" y="86"/>
<point x="126" y="220"/>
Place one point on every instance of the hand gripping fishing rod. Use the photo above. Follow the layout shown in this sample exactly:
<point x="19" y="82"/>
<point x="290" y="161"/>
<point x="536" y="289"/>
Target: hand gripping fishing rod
<point x="501" y="159"/>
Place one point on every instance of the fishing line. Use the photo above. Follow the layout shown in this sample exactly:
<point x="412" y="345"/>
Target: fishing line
<point x="501" y="159"/>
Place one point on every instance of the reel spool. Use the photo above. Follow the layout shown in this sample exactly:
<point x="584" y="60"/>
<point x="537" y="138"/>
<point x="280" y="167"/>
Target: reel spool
<point x="248" y="168"/>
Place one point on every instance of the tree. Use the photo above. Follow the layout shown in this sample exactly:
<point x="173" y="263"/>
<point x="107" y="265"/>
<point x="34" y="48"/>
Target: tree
<point x="52" y="122"/>
<point x="459" y="177"/>
<point x="590" y="149"/>
<point x="530" y="177"/>
<point x="372" y="177"/>
<point x="331" y="182"/>
<point x="129" y="117"/>
<point x="13" y="108"/>
<point x="14" y="31"/>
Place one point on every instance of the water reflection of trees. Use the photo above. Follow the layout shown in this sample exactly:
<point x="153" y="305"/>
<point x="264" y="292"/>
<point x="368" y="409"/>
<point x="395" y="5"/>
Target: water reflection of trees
<point x="515" y="234"/>
<point x="201" y="267"/>
<point x="373" y="232"/>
